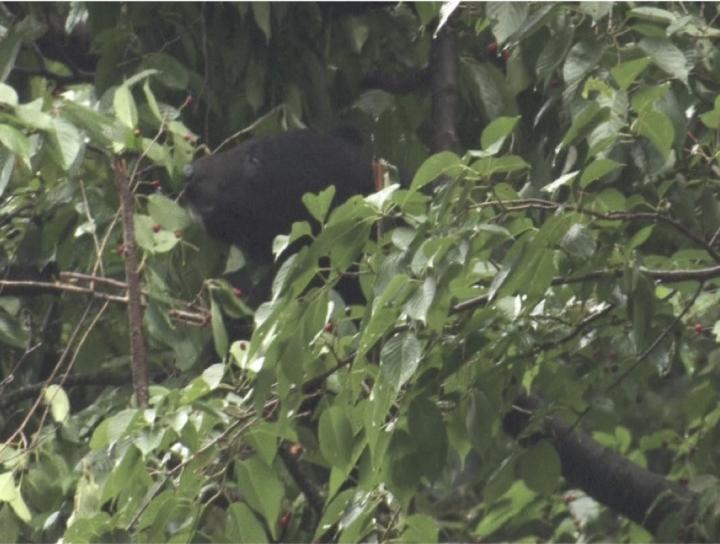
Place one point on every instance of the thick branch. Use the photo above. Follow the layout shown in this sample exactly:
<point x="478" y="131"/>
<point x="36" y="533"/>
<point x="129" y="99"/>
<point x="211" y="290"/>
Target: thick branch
<point x="642" y="496"/>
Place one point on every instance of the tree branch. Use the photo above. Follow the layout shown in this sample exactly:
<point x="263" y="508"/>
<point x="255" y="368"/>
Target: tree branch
<point x="138" y="349"/>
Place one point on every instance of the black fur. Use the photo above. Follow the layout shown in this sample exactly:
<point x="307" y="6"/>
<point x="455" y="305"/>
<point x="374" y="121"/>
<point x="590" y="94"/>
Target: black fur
<point x="251" y="193"/>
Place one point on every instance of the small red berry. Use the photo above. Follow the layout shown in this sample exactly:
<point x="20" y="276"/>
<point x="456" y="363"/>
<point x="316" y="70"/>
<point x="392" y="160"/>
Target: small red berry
<point x="328" y="327"/>
<point x="57" y="91"/>
<point x="285" y="520"/>
<point x="506" y="55"/>
<point x="155" y="184"/>
<point x="243" y="346"/>
<point x="492" y="48"/>
<point x="137" y="132"/>
<point x="238" y="292"/>
<point x="698" y="328"/>
<point x="683" y="481"/>
<point x="157" y="228"/>
<point x="296" y="449"/>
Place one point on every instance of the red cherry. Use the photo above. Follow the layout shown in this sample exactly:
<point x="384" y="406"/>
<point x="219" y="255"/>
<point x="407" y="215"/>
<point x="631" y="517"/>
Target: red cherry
<point x="243" y="346"/>
<point x="328" y="327"/>
<point x="698" y="328"/>
<point x="296" y="449"/>
<point x="285" y="520"/>
<point x="492" y="48"/>
<point x="155" y="184"/>
<point x="238" y="292"/>
<point x="157" y="228"/>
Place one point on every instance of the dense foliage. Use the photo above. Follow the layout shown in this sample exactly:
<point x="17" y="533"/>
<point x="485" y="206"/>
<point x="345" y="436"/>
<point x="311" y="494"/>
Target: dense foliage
<point x="572" y="252"/>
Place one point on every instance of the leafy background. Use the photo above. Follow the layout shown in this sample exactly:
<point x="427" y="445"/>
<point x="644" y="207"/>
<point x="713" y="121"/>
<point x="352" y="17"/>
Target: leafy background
<point x="571" y="251"/>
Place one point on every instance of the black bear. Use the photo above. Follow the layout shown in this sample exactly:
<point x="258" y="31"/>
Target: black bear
<point x="251" y="193"/>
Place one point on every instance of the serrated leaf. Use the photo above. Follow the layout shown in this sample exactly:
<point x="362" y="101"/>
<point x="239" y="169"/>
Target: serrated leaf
<point x="399" y="359"/>
<point x="419" y="303"/>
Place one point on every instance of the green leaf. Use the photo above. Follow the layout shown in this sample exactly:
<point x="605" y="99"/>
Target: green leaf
<point x="579" y="241"/>
<point x="419" y="303"/>
<point x="15" y="141"/>
<point x="494" y="135"/>
<point x="540" y="468"/>
<point x="583" y="58"/>
<point x="490" y="89"/>
<point x="151" y="101"/>
<point x="152" y="240"/>
<point x="597" y="169"/>
<point x="583" y="122"/>
<point x="487" y="166"/>
<point x="399" y="359"/>
<point x="336" y="437"/>
<point x="68" y="142"/>
<point x="420" y="528"/>
<point x="666" y="56"/>
<point x="167" y="213"/>
<point x="262" y="488"/>
<point x="261" y="13"/>
<point x="428" y="430"/>
<point x="443" y="163"/>
<point x="8" y="95"/>
<point x="565" y="179"/>
<point x="626" y="73"/>
<point x="657" y="128"/>
<point x="319" y="204"/>
<point x="12" y="333"/>
<point x="220" y="336"/>
<point x="507" y="18"/>
<point x="711" y="119"/>
<point x="643" y="99"/>
<point x="124" y="106"/>
<point x="59" y="403"/>
<point x="241" y="525"/>
<point x="171" y="71"/>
